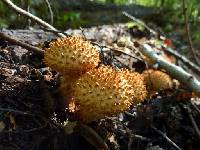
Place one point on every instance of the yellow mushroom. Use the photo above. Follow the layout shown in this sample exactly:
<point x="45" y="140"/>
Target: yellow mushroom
<point x="71" y="55"/>
<point x="157" y="80"/>
<point x="105" y="92"/>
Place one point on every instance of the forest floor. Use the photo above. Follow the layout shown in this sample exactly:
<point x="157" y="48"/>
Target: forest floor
<point x="32" y="110"/>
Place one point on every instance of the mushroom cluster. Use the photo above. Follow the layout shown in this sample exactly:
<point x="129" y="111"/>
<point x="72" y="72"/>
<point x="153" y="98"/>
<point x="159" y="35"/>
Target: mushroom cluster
<point x="95" y="91"/>
<point x="105" y="92"/>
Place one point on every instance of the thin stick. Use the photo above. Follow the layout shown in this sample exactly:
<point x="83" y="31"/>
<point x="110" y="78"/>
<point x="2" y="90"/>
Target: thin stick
<point x="139" y="22"/>
<point x="189" y="111"/>
<point x="187" y="29"/>
<point x="15" y="111"/>
<point x="175" y="71"/>
<point x="28" y="10"/>
<point x="129" y="132"/>
<point x="142" y="138"/>
<point x="118" y="50"/>
<point x="22" y="44"/>
<point x="194" y="125"/>
<point x="130" y="143"/>
<point x="29" y="15"/>
<point x="54" y="32"/>
<point x="196" y="107"/>
<point x="50" y="11"/>
<point x="166" y="138"/>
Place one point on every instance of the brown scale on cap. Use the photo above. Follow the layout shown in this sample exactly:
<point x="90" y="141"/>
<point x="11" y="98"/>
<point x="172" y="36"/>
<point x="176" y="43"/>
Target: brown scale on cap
<point x="105" y="92"/>
<point x="71" y="55"/>
<point x="157" y="80"/>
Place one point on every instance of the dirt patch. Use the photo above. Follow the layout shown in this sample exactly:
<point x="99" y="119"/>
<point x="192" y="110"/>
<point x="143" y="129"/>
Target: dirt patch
<point x="32" y="109"/>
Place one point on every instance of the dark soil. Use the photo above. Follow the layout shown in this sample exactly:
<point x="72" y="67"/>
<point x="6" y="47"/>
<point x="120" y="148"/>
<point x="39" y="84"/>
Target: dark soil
<point x="32" y="109"/>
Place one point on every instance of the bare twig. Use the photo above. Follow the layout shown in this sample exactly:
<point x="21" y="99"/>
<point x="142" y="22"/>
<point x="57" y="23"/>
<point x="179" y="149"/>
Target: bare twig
<point x="130" y="143"/>
<point x="194" y="124"/>
<point x="46" y="122"/>
<point x="28" y="10"/>
<point x="142" y="138"/>
<point x="25" y="131"/>
<point x="183" y="59"/>
<point x="187" y="28"/>
<point x="189" y="111"/>
<point x="129" y="132"/>
<point x="22" y="44"/>
<point x="29" y="15"/>
<point x="54" y="32"/>
<point x="15" y="111"/>
<point x="118" y="50"/>
<point x="196" y="107"/>
<point x="50" y="11"/>
<point x="175" y="71"/>
<point x="165" y="137"/>
<point x="140" y="22"/>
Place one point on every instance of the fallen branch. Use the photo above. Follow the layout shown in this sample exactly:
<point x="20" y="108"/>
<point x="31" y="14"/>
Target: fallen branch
<point x="30" y="16"/>
<point x="22" y="44"/>
<point x="175" y="71"/>
<point x="172" y="52"/>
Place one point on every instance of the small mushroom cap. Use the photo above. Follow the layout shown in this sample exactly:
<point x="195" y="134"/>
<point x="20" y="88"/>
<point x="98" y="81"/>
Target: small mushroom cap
<point x="71" y="55"/>
<point x="105" y="92"/>
<point x="157" y="80"/>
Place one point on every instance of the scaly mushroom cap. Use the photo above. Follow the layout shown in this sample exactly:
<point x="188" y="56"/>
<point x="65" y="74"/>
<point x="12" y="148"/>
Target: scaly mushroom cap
<point x="71" y="55"/>
<point x="105" y="92"/>
<point x="137" y="83"/>
<point x="157" y="80"/>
